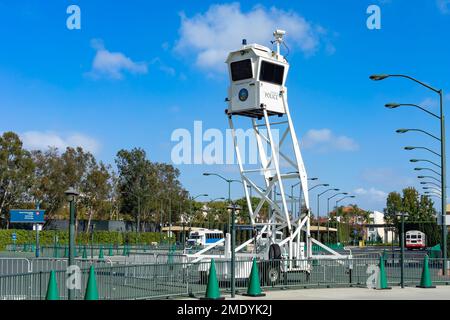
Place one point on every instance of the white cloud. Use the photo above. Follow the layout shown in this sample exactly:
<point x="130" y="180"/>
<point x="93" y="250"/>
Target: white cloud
<point x="323" y="140"/>
<point x="429" y="103"/>
<point x="36" y="140"/>
<point x="112" y="65"/>
<point x="372" y="195"/>
<point x="388" y="177"/>
<point x="443" y="6"/>
<point x="163" y="67"/>
<point x="211" y="35"/>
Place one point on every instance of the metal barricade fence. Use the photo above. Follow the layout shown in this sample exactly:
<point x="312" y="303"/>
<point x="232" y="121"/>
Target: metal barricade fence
<point x="47" y="264"/>
<point x="14" y="266"/>
<point x="152" y="281"/>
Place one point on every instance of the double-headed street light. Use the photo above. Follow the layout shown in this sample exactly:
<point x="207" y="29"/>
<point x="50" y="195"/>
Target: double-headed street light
<point x="229" y="181"/>
<point x="441" y="118"/>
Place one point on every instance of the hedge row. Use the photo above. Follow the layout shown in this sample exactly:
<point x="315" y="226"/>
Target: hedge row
<point x="47" y="237"/>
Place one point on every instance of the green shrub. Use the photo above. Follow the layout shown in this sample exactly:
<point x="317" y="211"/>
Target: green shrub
<point x="47" y="237"/>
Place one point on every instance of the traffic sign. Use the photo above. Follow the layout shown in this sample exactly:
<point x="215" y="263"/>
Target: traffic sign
<point x="13" y="237"/>
<point x="26" y="216"/>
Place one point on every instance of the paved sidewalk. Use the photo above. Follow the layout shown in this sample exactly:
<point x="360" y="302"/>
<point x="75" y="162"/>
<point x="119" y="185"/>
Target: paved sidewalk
<point x="396" y="293"/>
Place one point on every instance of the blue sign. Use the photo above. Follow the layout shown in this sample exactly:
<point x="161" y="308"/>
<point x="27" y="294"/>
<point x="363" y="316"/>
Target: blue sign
<point x="14" y="237"/>
<point x="26" y="216"/>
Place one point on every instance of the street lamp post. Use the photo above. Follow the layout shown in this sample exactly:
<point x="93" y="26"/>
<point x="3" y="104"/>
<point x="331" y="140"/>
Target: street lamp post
<point x="318" y="210"/>
<point x="229" y="181"/>
<point x="37" y="252"/>
<point x="300" y="196"/>
<point x="328" y="213"/>
<point x="441" y="118"/>
<point x="71" y="195"/>
<point x="402" y="248"/>
<point x="319" y="185"/>
<point x="211" y="201"/>
<point x="190" y="212"/>
<point x="336" y="205"/>
<point x="233" y="208"/>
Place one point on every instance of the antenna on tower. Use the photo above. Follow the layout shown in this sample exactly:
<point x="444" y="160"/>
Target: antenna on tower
<point x="278" y="34"/>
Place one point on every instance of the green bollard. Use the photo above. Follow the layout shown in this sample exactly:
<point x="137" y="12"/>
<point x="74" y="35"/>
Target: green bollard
<point x="111" y="252"/>
<point x="425" y="280"/>
<point x="52" y="288"/>
<point x="212" y="290"/>
<point x="100" y="254"/>
<point x="84" y="256"/>
<point x="254" y="286"/>
<point x="382" y="277"/>
<point x="91" y="287"/>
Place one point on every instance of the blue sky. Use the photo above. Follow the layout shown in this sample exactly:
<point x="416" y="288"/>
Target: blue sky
<point x="137" y="71"/>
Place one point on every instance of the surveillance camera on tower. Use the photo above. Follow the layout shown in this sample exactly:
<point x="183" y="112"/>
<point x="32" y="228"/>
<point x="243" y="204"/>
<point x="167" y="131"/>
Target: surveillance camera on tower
<point x="257" y="79"/>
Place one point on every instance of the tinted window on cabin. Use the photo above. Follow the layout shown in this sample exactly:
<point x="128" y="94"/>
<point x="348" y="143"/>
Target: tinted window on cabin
<point x="241" y="70"/>
<point x="271" y="72"/>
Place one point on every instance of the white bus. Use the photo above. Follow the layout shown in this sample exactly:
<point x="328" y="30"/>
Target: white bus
<point x="415" y="240"/>
<point x="204" y="237"/>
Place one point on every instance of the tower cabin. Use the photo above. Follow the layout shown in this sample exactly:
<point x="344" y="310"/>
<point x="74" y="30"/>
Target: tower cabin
<point x="257" y="78"/>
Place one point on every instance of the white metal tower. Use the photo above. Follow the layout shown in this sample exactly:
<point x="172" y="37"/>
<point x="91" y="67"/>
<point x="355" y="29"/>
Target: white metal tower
<point x="257" y="92"/>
